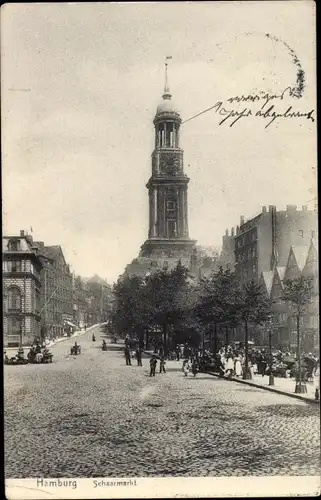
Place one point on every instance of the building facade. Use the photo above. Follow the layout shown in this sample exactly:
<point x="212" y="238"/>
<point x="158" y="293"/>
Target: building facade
<point x="302" y="261"/>
<point x="22" y="268"/>
<point x="168" y="236"/>
<point x="227" y="256"/>
<point x="264" y="241"/>
<point x="56" y="291"/>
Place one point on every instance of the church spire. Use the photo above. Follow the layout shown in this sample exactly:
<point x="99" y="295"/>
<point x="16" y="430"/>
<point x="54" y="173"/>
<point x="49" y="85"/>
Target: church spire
<point x="167" y="94"/>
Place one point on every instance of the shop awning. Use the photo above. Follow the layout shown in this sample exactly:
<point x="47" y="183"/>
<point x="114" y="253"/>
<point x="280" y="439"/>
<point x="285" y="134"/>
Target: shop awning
<point x="69" y="323"/>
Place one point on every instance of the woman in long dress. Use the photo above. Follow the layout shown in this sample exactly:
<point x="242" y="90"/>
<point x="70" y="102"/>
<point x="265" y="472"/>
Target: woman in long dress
<point x="186" y="367"/>
<point x="238" y="366"/>
<point x="229" y="365"/>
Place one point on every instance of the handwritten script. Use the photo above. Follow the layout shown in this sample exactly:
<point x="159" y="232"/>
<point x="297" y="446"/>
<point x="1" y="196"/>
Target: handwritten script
<point x="268" y="107"/>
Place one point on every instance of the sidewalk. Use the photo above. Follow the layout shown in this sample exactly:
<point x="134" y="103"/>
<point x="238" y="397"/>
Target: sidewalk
<point x="57" y="340"/>
<point x="285" y="386"/>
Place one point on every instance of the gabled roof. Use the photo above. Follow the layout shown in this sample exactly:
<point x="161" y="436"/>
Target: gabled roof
<point x="268" y="280"/>
<point x="281" y="272"/>
<point x="53" y="252"/>
<point x="300" y="253"/>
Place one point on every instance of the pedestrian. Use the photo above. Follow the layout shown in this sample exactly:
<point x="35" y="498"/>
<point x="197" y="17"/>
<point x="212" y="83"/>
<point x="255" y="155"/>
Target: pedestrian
<point x="177" y="352"/>
<point x="139" y="356"/>
<point x="127" y="356"/>
<point x="162" y="365"/>
<point x="237" y="366"/>
<point x="152" y="364"/>
<point x="229" y="365"/>
<point x="263" y="364"/>
<point x="194" y="367"/>
<point x="186" y="367"/>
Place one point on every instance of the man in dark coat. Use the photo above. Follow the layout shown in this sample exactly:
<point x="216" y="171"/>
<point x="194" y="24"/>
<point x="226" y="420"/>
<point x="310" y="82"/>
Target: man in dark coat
<point x="152" y="364"/>
<point x="127" y="356"/>
<point x="139" y="356"/>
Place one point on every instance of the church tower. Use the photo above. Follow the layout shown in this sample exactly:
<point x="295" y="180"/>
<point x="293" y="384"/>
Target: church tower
<point x="168" y="235"/>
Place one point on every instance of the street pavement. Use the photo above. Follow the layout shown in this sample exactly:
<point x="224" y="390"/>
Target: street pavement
<point x="93" y="416"/>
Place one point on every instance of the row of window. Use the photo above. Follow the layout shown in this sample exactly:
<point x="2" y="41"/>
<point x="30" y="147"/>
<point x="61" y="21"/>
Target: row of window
<point x="247" y="273"/>
<point x="251" y="253"/>
<point x="247" y="238"/>
<point x="14" y="299"/>
<point x="18" y="266"/>
<point x="301" y="233"/>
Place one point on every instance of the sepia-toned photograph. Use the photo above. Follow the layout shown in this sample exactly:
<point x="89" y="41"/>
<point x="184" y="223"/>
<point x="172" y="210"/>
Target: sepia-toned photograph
<point x="160" y="250"/>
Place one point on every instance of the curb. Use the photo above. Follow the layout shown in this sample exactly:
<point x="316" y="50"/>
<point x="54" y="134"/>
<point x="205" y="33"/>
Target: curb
<point x="73" y="336"/>
<point x="268" y="388"/>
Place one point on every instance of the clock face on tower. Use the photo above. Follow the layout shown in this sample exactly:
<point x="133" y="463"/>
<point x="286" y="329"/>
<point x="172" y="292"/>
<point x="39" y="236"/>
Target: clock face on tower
<point x="169" y="163"/>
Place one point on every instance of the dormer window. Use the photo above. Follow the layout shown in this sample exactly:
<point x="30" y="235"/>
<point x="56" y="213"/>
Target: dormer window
<point x="301" y="233"/>
<point x="14" y="245"/>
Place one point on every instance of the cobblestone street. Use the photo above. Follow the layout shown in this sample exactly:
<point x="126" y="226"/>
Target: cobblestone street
<point x="92" y="416"/>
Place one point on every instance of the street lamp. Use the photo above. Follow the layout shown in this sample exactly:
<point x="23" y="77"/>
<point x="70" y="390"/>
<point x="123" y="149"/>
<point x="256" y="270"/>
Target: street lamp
<point x="271" y="376"/>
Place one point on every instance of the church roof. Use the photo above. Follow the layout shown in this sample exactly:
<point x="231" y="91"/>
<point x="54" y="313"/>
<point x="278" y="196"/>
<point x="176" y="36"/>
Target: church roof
<point x="268" y="280"/>
<point x="301" y="254"/>
<point x="281" y="272"/>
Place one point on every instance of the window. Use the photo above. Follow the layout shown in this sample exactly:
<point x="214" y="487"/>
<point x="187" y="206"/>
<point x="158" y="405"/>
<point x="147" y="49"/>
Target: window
<point x="301" y="233"/>
<point x="12" y="266"/>
<point x="171" y="205"/>
<point x="14" y="245"/>
<point x="14" y="299"/>
<point x="14" y="331"/>
<point x="312" y="234"/>
<point x="253" y="252"/>
<point x="171" y="228"/>
<point x="16" y="265"/>
<point x="254" y="269"/>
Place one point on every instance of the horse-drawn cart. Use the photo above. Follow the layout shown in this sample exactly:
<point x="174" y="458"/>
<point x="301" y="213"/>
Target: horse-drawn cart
<point x="75" y="350"/>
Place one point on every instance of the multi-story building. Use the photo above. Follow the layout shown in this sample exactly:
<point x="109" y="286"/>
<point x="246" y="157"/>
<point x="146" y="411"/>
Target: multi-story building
<point x="227" y="256"/>
<point x="21" y="286"/>
<point x="302" y="261"/>
<point x="56" y="291"/>
<point x="264" y="241"/>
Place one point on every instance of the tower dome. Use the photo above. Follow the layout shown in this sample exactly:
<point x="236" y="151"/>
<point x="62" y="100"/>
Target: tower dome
<point x="167" y="105"/>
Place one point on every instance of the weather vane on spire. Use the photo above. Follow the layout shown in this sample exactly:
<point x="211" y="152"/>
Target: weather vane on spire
<point x="167" y="94"/>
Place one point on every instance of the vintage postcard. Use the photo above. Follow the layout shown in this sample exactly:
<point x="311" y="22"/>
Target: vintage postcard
<point x="160" y="250"/>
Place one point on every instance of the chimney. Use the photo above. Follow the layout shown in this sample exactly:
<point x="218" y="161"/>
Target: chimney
<point x="237" y="230"/>
<point x="241" y="220"/>
<point x="271" y="207"/>
<point x="304" y="208"/>
<point x="232" y="231"/>
<point x="264" y="210"/>
<point x="22" y="233"/>
<point x="226" y="232"/>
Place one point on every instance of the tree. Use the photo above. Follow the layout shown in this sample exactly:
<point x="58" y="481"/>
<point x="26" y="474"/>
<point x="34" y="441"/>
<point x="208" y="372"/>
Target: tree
<point x="217" y="301"/>
<point x="252" y="307"/>
<point x="298" y="292"/>
<point x="168" y="299"/>
<point x="131" y="308"/>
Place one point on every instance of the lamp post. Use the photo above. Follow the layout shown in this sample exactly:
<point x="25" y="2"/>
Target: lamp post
<point x="271" y="376"/>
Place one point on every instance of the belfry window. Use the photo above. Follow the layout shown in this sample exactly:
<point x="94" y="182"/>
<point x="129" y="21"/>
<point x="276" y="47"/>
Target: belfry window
<point x="170" y="205"/>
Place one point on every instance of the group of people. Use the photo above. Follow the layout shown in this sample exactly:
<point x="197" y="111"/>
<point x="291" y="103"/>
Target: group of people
<point x="37" y="351"/>
<point x="153" y="365"/>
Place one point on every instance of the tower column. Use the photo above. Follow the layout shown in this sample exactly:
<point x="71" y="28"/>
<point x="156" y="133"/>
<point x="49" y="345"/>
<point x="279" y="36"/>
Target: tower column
<point x="154" y="204"/>
<point x="185" y="211"/>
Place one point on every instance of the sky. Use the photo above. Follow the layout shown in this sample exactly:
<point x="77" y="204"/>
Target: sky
<point x="80" y="87"/>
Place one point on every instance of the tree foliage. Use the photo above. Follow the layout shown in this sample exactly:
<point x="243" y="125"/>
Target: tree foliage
<point x="299" y="292"/>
